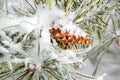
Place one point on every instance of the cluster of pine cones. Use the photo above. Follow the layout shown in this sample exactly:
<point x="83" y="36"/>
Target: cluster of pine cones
<point x="65" y="39"/>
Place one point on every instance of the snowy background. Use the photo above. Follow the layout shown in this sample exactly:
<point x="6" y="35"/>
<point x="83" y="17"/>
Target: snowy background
<point x="110" y="64"/>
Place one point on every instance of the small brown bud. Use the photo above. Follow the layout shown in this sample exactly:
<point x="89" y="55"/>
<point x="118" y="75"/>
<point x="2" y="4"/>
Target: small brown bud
<point x="32" y="69"/>
<point x="118" y="41"/>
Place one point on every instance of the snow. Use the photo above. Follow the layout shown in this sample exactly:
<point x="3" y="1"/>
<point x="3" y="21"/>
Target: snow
<point x="101" y="77"/>
<point x="70" y="26"/>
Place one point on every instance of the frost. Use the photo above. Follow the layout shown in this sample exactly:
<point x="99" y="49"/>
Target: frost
<point x="101" y="77"/>
<point x="14" y="47"/>
<point x="70" y="26"/>
<point x="4" y="50"/>
<point x="3" y="35"/>
<point x="9" y="65"/>
<point x="118" y="32"/>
